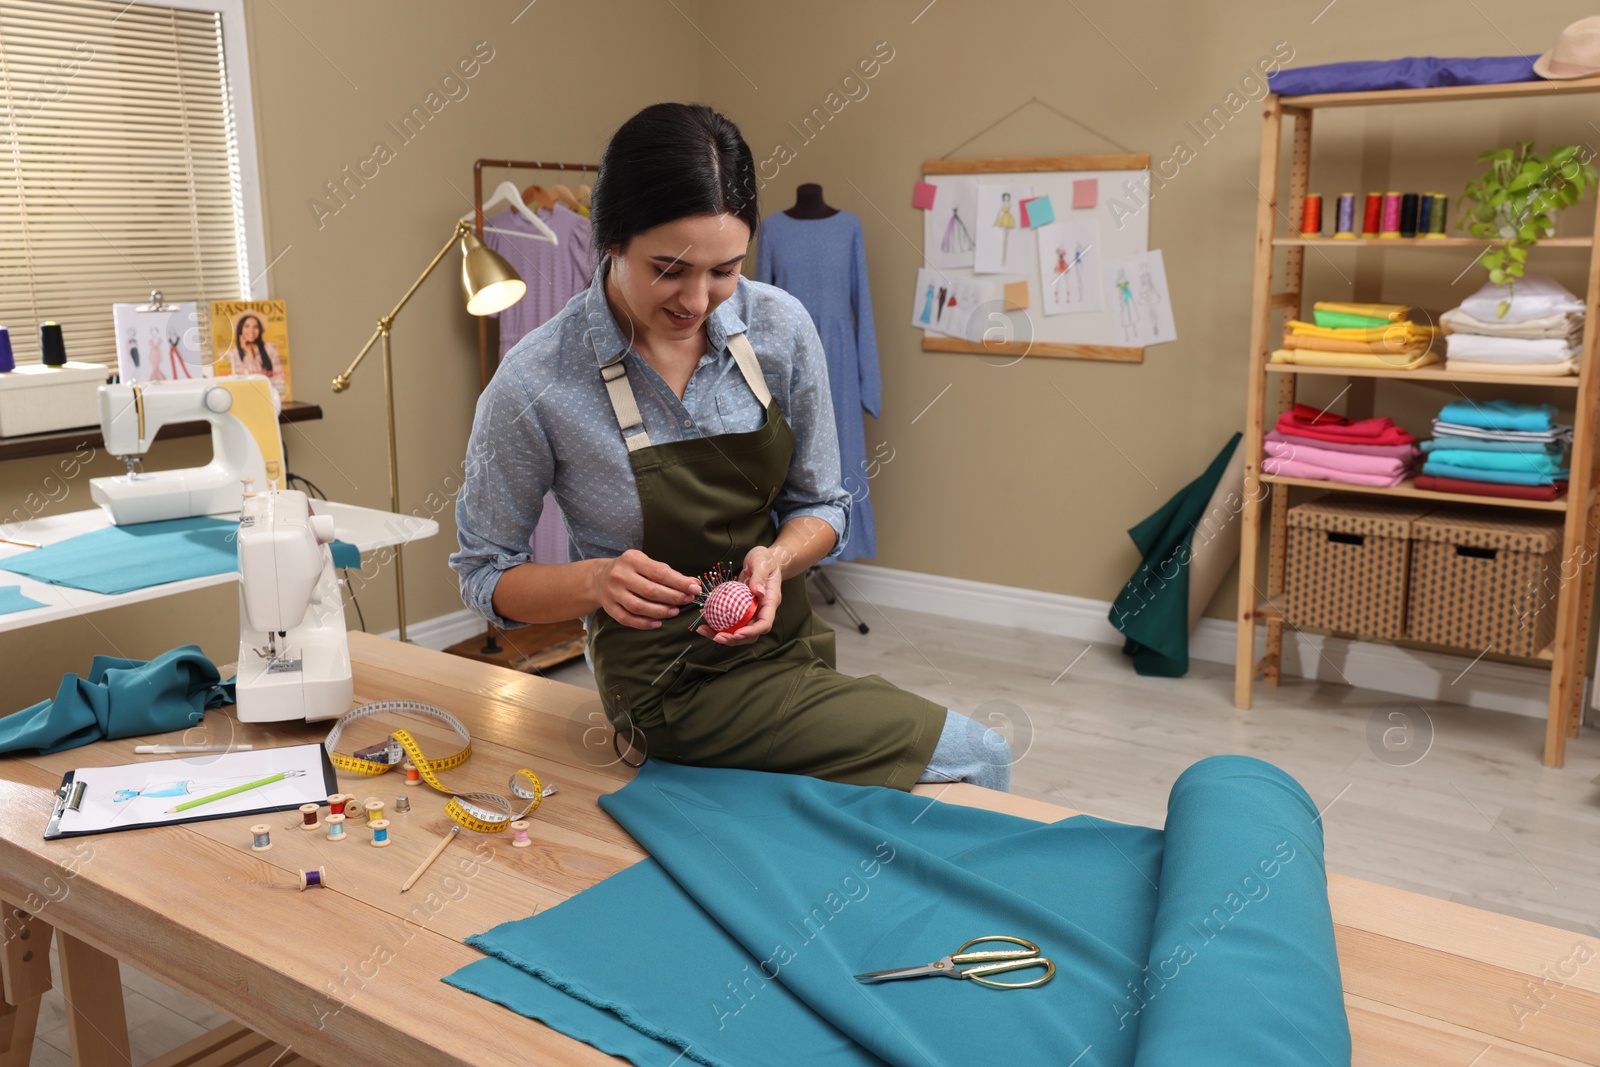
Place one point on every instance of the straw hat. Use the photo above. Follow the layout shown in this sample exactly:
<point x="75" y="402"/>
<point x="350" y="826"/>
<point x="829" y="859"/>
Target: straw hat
<point x="1576" y="54"/>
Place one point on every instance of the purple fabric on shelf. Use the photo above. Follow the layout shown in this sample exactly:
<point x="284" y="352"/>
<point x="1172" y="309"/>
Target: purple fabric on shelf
<point x="1406" y="452"/>
<point x="1412" y="72"/>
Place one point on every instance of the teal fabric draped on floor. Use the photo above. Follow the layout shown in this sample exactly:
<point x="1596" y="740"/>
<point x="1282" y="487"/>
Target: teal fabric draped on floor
<point x="1208" y="944"/>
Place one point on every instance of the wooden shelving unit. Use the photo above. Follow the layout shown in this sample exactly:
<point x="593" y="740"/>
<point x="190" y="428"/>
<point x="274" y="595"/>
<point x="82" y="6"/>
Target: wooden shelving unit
<point x="1567" y="655"/>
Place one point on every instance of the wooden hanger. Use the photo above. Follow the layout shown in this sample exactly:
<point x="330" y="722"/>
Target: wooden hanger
<point x="565" y="196"/>
<point x="538" y="194"/>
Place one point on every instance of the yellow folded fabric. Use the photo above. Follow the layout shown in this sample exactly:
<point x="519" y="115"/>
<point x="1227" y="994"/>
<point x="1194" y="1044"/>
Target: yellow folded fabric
<point x="1565" y="368"/>
<point x="1384" y="347"/>
<point x="1392" y="312"/>
<point x="1310" y="357"/>
<point x="1409" y="332"/>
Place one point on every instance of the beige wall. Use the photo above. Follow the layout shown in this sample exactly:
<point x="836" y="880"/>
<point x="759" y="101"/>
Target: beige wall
<point x="1002" y="480"/>
<point x="326" y="78"/>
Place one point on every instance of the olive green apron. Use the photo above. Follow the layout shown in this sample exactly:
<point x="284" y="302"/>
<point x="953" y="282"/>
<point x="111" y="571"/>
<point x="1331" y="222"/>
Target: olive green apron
<point x="776" y="704"/>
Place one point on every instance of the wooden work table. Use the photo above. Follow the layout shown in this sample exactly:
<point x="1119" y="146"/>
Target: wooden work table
<point x="348" y="976"/>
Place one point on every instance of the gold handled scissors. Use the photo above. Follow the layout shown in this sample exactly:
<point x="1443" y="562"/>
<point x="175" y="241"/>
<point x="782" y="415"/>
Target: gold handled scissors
<point x="986" y="962"/>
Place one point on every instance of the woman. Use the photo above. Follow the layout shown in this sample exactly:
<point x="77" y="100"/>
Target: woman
<point x="250" y="354"/>
<point x="674" y="408"/>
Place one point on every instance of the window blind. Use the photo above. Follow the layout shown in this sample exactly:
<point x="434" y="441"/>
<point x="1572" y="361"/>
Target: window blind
<point x="119" y="167"/>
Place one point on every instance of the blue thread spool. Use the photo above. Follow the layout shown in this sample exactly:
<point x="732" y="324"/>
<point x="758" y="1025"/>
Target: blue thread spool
<point x="261" y="837"/>
<point x="380" y="833"/>
<point x="313" y="879"/>
<point x="336" y="828"/>
<point x="8" y="362"/>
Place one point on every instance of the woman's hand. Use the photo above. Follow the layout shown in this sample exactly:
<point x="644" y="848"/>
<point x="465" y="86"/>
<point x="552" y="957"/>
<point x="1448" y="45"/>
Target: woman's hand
<point x="639" y="592"/>
<point x="763" y="573"/>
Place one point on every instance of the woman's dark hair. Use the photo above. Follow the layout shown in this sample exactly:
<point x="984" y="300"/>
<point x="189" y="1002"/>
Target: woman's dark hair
<point x="668" y="162"/>
<point x="260" y="342"/>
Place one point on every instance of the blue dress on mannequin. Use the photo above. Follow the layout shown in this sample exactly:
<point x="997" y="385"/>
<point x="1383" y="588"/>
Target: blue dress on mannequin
<point x="823" y="262"/>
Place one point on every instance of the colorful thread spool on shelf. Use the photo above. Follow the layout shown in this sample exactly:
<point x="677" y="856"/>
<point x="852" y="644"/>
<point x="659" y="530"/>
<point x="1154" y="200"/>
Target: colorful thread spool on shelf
<point x="519" y="834"/>
<point x="1345" y="220"/>
<point x="1389" y="225"/>
<point x="374" y="810"/>
<point x="261" y="837"/>
<point x="402" y="804"/>
<point x="413" y="776"/>
<point x="313" y="879"/>
<point x="1311" y="216"/>
<point x="1436" y="219"/>
<point x="310" y="816"/>
<point x="1408" y="214"/>
<point x="1372" y="215"/>
<point x="380" y="833"/>
<point x="336" y="827"/>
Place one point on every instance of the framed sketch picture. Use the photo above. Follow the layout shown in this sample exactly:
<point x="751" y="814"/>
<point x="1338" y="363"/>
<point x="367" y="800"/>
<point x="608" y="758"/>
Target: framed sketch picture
<point x="252" y="337"/>
<point x="159" y="342"/>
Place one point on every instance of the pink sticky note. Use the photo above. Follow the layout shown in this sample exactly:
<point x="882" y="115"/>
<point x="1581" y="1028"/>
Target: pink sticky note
<point x="922" y="195"/>
<point x="1085" y="192"/>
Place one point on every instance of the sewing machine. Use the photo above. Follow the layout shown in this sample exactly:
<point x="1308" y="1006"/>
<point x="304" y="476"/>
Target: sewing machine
<point x="294" y="655"/>
<point x="245" y="443"/>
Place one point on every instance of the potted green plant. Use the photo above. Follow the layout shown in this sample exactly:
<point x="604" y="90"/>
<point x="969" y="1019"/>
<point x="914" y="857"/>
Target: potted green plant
<point x="1516" y="199"/>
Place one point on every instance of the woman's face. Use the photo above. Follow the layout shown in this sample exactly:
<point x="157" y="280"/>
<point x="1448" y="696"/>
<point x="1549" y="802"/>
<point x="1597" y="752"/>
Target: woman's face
<point x="249" y="330"/>
<point x="671" y="277"/>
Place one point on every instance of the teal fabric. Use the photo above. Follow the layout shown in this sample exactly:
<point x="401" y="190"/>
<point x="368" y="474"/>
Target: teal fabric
<point x="1479" y="444"/>
<point x="1206" y="945"/>
<point x="120" y="559"/>
<point x="1152" y="611"/>
<point x="120" y="698"/>
<point x="345" y="555"/>
<point x="1498" y="415"/>
<point x="13" y="599"/>
<point x="1439" y="469"/>
<point x="1526" y="462"/>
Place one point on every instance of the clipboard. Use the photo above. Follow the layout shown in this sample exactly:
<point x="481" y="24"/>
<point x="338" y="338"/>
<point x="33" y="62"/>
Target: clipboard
<point x="133" y="796"/>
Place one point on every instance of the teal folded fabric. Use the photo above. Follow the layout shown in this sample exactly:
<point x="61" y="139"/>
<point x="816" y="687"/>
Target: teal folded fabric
<point x="120" y="698"/>
<point x="1152" y="611"/>
<point x="737" y="942"/>
<point x="345" y="555"/>
<point x="1499" y="414"/>
<point x="1479" y="444"/>
<point x="1527" y="462"/>
<point x="1481" y="474"/>
<point x="12" y="599"/>
<point x="120" y="559"/>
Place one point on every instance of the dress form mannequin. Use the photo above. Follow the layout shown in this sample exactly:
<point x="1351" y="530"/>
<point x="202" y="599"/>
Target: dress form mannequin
<point x="808" y="203"/>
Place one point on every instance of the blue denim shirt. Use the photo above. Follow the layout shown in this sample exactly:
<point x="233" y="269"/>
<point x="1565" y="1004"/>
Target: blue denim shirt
<point x="545" y="423"/>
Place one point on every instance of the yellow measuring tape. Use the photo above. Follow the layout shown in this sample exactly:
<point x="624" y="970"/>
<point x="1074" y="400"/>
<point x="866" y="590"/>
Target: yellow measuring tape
<point x="487" y="813"/>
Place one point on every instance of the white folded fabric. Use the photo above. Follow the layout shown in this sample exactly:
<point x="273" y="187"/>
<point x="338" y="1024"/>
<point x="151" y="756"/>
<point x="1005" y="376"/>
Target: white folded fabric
<point x="1567" y="324"/>
<point x="1534" y="297"/>
<point x="1510" y="349"/>
<point x="1457" y="429"/>
<point x="1482" y="366"/>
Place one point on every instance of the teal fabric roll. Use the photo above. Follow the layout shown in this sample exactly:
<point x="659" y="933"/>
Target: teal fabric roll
<point x="737" y="942"/>
<point x="120" y="698"/>
<point x="1522" y="462"/>
<point x="1152" y="611"/>
<point x="120" y="559"/>
<point x="13" y="599"/>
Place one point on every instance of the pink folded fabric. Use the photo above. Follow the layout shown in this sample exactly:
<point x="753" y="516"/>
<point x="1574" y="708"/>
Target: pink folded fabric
<point x="1392" y="451"/>
<point x="1294" y="468"/>
<point x="1387" y="466"/>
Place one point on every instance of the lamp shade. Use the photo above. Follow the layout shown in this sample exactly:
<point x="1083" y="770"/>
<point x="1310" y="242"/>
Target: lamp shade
<point x="492" y="284"/>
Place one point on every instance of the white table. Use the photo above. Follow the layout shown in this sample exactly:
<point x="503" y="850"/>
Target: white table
<point x="366" y="528"/>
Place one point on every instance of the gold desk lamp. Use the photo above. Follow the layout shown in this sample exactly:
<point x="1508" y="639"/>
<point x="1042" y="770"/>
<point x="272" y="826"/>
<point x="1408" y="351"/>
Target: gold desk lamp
<point x="491" y="285"/>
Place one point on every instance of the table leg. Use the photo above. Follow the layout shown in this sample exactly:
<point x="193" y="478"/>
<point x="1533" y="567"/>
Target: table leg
<point x="17" y="1024"/>
<point x="97" y="1022"/>
<point x="24" y="978"/>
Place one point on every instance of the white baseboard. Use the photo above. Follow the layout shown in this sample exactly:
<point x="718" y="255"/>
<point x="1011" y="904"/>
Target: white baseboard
<point x="1434" y="677"/>
<point x="442" y="631"/>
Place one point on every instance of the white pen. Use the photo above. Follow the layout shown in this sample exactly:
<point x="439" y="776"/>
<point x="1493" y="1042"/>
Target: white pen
<point x="168" y="750"/>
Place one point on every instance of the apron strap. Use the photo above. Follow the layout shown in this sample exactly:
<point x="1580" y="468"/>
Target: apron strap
<point x="626" y="407"/>
<point x="750" y="367"/>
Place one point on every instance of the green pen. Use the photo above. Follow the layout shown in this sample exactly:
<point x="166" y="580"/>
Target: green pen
<point x="187" y="804"/>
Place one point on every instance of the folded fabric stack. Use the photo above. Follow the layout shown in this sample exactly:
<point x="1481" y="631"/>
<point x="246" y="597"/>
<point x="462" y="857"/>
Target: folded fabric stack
<point x="1310" y="443"/>
<point x="1540" y="331"/>
<point x="1497" y="448"/>
<point x="1375" y="336"/>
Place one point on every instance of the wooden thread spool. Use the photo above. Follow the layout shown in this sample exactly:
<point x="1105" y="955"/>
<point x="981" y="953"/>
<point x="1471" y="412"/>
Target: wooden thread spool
<point x="311" y="816"/>
<point x="313" y="879"/>
<point x="519" y="834"/>
<point x="262" y="837"/>
<point x="413" y="776"/>
<point x="336" y="804"/>
<point x="374" y="810"/>
<point x="380" y="833"/>
<point x="336" y="827"/>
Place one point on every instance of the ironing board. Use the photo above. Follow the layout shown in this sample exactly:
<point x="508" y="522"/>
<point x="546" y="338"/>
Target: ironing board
<point x="1427" y="982"/>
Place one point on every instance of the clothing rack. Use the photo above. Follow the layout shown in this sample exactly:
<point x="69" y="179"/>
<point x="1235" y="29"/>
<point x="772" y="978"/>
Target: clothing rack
<point x="491" y="643"/>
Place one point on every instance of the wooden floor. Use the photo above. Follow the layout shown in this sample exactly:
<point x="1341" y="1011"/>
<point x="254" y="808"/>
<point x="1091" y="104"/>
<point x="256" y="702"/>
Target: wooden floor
<point x="1456" y="804"/>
